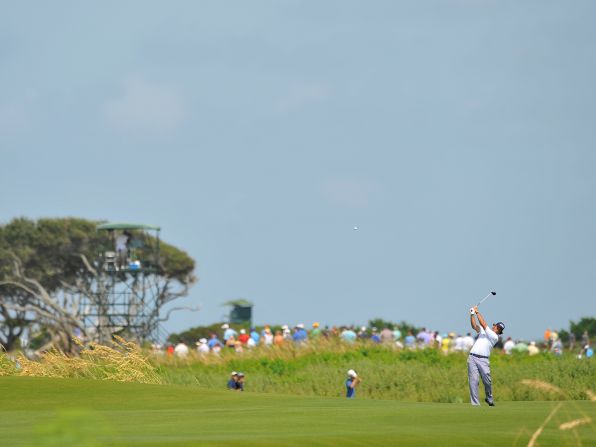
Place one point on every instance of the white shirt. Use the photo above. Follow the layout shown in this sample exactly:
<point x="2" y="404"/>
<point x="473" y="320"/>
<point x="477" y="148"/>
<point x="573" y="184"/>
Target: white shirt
<point x="509" y="344"/>
<point x="468" y="342"/>
<point x="121" y="242"/>
<point x="459" y="343"/>
<point x="485" y="342"/>
<point x="203" y="348"/>
<point x="181" y="350"/>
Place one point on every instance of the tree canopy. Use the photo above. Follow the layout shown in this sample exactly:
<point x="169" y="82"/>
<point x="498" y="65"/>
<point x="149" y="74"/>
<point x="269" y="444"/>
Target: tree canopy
<point x="46" y="262"/>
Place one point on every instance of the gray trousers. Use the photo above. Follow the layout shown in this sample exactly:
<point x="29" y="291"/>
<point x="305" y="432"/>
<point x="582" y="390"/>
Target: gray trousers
<point x="479" y="368"/>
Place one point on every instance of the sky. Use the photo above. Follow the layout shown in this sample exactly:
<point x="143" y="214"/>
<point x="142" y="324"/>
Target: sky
<point x="458" y="136"/>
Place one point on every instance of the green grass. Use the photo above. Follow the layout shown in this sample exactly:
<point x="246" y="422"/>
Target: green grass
<point x="82" y="413"/>
<point x="423" y="376"/>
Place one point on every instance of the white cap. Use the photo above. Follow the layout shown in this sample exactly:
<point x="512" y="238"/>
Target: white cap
<point x="203" y="340"/>
<point x="225" y="326"/>
<point x="242" y="331"/>
<point x="285" y="326"/>
<point x="352" y="373"/>
<point x="363" y="328"/>
<point x="234" y="373"/>
<point x="300" y="325"/>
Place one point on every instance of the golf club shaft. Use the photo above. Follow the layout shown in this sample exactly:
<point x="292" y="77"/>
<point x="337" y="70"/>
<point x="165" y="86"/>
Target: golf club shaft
<point x="483" y="299"/>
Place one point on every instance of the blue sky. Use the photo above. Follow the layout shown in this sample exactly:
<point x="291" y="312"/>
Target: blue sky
<point x="458" y="136"/>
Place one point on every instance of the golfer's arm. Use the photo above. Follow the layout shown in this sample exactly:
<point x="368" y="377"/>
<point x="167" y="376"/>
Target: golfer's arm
<point x="474" y="324"/>
<point x="481" y="320"/>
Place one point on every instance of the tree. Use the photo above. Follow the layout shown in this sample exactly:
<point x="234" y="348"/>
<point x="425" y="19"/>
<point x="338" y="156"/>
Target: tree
<point x="49" y="266"/>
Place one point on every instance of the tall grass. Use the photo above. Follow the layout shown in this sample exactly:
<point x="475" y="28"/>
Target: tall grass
<point x="425" y="375"/>
<point x="122" y="361"/>
<point x="7" y="366"/>
<point x="319" y="369"/>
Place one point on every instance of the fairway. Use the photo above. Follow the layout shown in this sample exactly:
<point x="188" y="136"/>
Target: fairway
<point x="38" y="411"/>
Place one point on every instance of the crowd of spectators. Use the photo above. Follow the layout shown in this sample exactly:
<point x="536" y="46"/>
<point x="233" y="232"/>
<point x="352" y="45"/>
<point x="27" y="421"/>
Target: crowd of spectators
<point x="239" y="341"/>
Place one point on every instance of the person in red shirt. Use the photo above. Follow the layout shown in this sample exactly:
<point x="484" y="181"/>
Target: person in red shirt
<point x="243" y="337"/>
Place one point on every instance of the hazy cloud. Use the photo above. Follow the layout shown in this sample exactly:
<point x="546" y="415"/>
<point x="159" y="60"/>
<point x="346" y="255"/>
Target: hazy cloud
<point x="145" y="107"/>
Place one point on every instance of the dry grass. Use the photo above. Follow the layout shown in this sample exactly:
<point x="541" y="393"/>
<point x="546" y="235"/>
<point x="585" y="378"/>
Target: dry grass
<point x="7" y="366"/>
<point x="542" y="386"/>
<point x="591" y="395"/>
<point x="122" y="362"/>
<point x="575" y="423"/>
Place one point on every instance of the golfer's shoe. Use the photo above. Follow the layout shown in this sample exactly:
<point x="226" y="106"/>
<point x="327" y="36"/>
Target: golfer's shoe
<point x="489" y="402"/>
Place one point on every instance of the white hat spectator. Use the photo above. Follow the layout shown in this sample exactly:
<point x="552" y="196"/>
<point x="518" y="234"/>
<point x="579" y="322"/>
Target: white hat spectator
<point x="352" y="373"/>
<point x="242" y="331"/>
<point x="225" y="326"/>
<point x="300" y="325"/>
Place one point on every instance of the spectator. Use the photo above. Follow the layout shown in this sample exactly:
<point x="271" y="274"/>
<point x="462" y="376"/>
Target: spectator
<point x="459" y="345"/>
<point x="316" y="331"/>
<point x="213" y="340"/>
<point x="424" y="338"/>
<point x="436" y="339"/>
<point x="362" y="334"/>
<point x="251" y="343"/>
<point x="410" y="340"/>
<point x="585" y="338"/>
<point x="375" y="338"/>
<point x="351" y="384"/>
<point x="243" y="337"/>
<point x="396" y="333"/>
<point x="508" y="346"/>
<point x="170" y="350"/>
<point x="286" y="332"/>
<point x="468" y="342"/>
<point x="233" y="382"/>
<point x="446" y="344"/>
<point x="240" y="383"/>
<point x="533" y="349"/>
<point x="231" y="342"/>
<point x="181" y="350"/>
<point x="520" y="346"/>
<point x="386" y="335"/>
<point x="571" y="341"/>
<point x="300" y="334"/>
<point x="279" y="339"/>
<point x="255" y="336"/>
<point x="228" y="332"/>
<point x="587" y="351"/>
<point x="202" y="347"/>
<point x="547" y="335"/>
<point x="557" y="347"/>
<point x="267" y="336"/>
<point x="348" y="335"/>
<point x="122" y="249"/>
<point x="238" y="346"/>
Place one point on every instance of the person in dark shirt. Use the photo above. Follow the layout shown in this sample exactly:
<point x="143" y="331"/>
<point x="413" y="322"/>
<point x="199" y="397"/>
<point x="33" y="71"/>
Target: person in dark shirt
<point x="240" y="382"/>
<point x="233" y="382"/>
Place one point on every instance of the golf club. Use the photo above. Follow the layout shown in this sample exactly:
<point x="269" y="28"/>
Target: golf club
<point x="484" y="299"/>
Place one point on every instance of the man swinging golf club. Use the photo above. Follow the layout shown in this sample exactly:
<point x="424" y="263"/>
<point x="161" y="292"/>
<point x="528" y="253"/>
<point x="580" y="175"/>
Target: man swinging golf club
<point x="478" y="361"/>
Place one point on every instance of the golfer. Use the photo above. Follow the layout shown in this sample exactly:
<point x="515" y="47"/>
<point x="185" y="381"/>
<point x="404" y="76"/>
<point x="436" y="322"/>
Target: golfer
<point x="478" y="360"/>
<point x="351" y="384"/>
